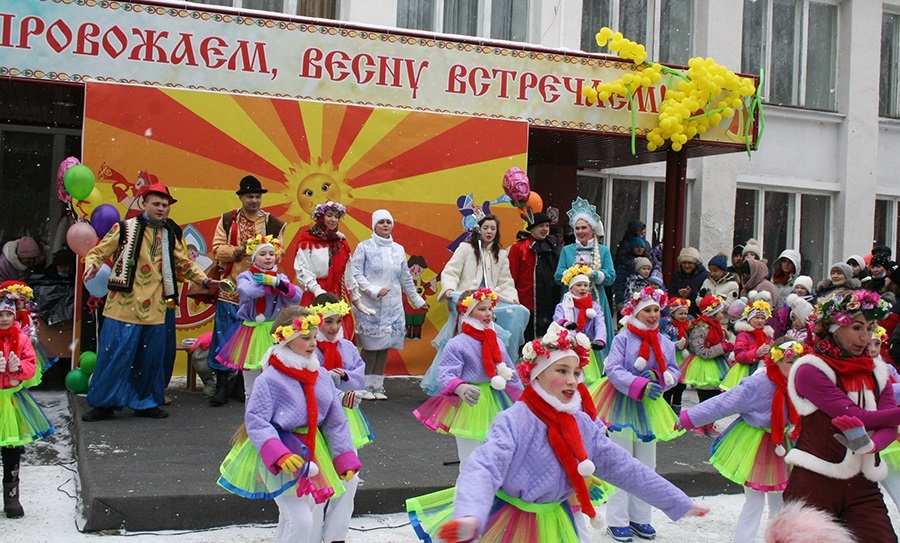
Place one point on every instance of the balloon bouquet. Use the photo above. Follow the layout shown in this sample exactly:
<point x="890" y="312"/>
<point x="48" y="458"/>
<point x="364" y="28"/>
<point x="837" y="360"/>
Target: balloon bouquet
<point x="76" y="187"/>
<point x="517" y="187"/>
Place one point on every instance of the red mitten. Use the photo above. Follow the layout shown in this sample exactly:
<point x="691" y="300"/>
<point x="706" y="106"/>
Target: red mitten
<point x="459" y="531"/>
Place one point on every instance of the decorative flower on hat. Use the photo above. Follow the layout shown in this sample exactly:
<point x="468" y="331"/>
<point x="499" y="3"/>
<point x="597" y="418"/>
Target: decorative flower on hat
<point x="644" y="295"/>
<point x="574" y="271"/>
<point x="557" y="338"/>
<point x="678" y="302"/>
<point x="477" y="296"/>
<point x="710" y="304"/>
<point x="879" y="333"/>
<point x="759" y="307"/>
<point x="320" y="209"/>
<point x="18" y="294"/>
<point x="841" y="307"/>
<point x="302" y="325"/>
<point x="259" y="239"/>
<point x="340" y="307"/>
<point x="787" y="351"/>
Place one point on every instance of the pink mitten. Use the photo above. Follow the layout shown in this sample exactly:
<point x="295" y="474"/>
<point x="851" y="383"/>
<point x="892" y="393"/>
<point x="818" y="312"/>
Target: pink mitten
<point x="854" y="435"/>
<point x="459" y="531"/>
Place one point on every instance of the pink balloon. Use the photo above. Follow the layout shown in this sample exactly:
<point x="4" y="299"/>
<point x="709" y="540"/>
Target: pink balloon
<point x="67" y="163"/>
<point x="81" y="238"/>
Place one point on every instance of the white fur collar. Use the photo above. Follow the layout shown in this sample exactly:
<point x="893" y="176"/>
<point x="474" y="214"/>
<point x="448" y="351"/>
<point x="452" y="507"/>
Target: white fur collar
<point x="320" y="337"/>
<point x="291" y="359"/>
<point x="571" y="408"/>
<point x="588" y="245"/>
<point x="475" y="323"/>
<point x="744" y="326"/>
<point x="633" y="320"/>
<point x="9" y="250"/>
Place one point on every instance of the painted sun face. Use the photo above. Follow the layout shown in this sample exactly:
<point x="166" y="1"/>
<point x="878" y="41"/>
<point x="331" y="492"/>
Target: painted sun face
<point x="315" y="189"/>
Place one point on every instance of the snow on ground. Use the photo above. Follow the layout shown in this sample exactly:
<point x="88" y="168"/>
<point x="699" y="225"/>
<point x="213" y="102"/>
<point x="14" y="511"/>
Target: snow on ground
<point x="52" y="514"/>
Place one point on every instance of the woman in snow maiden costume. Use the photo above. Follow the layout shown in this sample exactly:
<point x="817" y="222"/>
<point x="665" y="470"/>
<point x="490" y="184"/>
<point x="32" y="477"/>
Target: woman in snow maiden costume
<point x="579" y="312"/>
<point x="476" y="378"/>
<point x="587" y="250"/>
<point x="279" y="453"/>
<point x="707" y="366"/>
<point x="263" y="294"/>
<point x="842" y="395"/>
<point x="517" y="486"/>
<point x="380" y="270"/>
<point x="640" y="366"/>
<point x="752" y="343"/>
<point x="751" y="451"/>
<point x="342" y="361"/>
<point x="322" y="262"/>
<point x="21" y="419"/>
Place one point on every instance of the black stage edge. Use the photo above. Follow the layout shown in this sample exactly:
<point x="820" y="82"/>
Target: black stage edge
<point x="141" y="474"/>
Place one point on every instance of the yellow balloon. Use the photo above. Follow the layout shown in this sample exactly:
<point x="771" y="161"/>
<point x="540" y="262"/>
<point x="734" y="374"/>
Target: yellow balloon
<point x="86" y="207"/>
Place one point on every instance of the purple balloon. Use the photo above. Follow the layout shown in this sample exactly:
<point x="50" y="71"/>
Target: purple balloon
<point x="104" y="217"/>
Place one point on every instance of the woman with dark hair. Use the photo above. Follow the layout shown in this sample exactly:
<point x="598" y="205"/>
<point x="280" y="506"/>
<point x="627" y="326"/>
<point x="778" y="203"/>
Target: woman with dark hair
<point x="849" y="414"/>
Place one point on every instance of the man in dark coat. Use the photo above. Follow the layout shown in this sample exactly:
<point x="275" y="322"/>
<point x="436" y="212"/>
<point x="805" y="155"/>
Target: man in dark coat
<point x="532" y="263"/>
<point x="688" y="279"/>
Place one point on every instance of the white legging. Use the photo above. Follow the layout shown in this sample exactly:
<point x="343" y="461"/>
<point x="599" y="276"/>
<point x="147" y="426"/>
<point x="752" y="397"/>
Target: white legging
<point x="331" y="520"/>
<point x="622" y="507"/>
<point x="249" y="378"/>
<point x="751" y="514"/>
<point x="295" y="518"/>
<point x="464" y="449"/>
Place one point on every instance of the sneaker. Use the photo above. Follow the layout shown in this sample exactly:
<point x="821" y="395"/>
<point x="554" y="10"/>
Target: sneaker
<point x="152" y="413"/>
<point x="379" y="394"/>
<point x="620" y="533"/>
<point x="98" y="413"/>
<point x="644" y="531"/>
<point x="368" y="394"/>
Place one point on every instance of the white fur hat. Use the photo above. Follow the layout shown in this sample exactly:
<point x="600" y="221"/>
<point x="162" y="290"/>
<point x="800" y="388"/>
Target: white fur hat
<point x="804" y="281"/>
<point x="380" y="215"/>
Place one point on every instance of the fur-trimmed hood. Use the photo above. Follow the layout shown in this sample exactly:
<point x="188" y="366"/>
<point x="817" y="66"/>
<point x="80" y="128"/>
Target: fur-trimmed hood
<point x="744" y="326"/>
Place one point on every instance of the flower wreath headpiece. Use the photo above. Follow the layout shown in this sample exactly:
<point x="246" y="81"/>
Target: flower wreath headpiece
<point x="575" y="271"/>
<point x="18" y="294"/>
<point x="710" y="304"/>
<point x="259" y="239"/>
<point x="301" y="325"/>
<point x="465" y="305"/>
<point x="555" y="344"/>
<point x="340" y="307"/>
<point x="320" y="209"/>
<point x="758" y="307"/>
<point x="879" y="333"/>
<point x="841" y="307"/>
<point x="678" y="302"/>
<point x="641" y="297"/>
<point x="787" y="351"/>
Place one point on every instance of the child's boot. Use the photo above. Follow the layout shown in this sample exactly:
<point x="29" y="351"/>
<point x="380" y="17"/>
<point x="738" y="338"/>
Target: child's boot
<point x="11" y="505"/>
<point x="221" y="395"/>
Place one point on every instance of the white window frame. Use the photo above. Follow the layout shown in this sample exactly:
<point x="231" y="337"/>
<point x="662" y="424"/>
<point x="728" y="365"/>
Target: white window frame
<point x="894" y="112"/>
<point x="654" y="23"/>
<point x="483" y="27"/>
<point x="893" y="216"/>
<point x="799" y="95"/>
<point x="290" y="6"/>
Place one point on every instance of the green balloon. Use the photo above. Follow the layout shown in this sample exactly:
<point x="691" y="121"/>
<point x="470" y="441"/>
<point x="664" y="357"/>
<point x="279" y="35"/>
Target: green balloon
<point x="77" y="381"/>
<point x="79" y="181"/>
<point x="87" y="362"/>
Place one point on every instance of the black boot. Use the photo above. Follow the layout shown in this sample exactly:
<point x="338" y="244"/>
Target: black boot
<point x="11" y="505"/>
<point x="221" y="395"/>
<point x="236" y="387"/>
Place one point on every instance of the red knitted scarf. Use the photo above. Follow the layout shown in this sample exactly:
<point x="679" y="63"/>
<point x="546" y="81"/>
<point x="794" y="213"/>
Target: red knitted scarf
<point x="338" y="257"/>
<point x="715" y="335"/>
<point x="9" y="340"/>
<point x="332" y="355"/>
<point x="855" y="373"/>
<point x="779" y="401"/>
<point x="490" y="349"/>
<point x="260" y="304"/>
<point x="307" y="380"/>
<point x="650" y="338"/>
<point x="566" y="442"/>
<point x="583" y="304"/>
<point x="761" y="337"/>
<point x="682" y="327"/>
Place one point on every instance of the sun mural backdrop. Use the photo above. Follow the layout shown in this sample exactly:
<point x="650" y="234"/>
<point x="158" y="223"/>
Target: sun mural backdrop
<point x="435" y="173"/>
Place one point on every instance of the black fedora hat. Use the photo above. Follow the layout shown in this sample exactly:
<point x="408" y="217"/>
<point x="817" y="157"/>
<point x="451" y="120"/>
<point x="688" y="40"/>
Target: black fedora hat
<point x="250" y="185"/>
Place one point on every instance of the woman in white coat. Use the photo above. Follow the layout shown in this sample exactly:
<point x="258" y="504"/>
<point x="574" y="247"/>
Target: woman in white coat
<point x="379" y="267"/>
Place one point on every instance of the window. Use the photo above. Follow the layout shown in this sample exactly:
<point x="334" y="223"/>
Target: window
<point x="665" y="27"/>
<point x="887" y="224"/>
<point x="323" y="9"/>
<point x="789" y="220"/>
<point x="889" y="91"/>
<point x="794" y="42"/>
<point x="499" y="19"/>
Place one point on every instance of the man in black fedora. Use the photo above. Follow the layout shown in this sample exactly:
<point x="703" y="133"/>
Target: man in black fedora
<point x="532" y="264"/>
<point x="229" y="250"/>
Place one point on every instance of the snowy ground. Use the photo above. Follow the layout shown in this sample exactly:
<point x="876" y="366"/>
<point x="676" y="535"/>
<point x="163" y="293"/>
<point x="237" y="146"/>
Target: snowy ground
<point x="49" y="496"/>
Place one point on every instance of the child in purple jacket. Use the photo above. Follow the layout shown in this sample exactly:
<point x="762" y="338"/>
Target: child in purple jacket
<point x="579" y="312"/>
<point x="517" y="486"/>
<point x="751" y="451"/>
<point x="263" y="293"/>
<point x="640" y="366"/>
<point x="279" y="453"/>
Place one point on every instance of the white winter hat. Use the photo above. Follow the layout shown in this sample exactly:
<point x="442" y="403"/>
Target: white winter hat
<point x="804" y="281"/>
<point x="790" y="254"/>
<point x="380" y="215"/>
<point x="752" y="246"/>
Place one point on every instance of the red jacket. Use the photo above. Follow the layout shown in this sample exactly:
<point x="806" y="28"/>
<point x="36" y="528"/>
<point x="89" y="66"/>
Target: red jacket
<point x="521" y="266"/>
<point x="26" y="362"/>
<point x="745" y="344"/>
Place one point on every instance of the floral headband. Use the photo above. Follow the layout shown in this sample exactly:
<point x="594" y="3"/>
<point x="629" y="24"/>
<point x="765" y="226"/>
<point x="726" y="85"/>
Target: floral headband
<point x="259" y="239"/>
<point x="303" y="325"/>
<point x="479" y="295"/>
<point x="678" y="303"/>
<point x="841" y="307"/>
<point x="575" y="271"/>
<point x="879" y="333"/>
<point x="332" y="308"/>
<point x="787" y="351"/>
<point x="756" y="308"/>
<point x="320" y="209"/>
<point x="19" y="295"/>
<point x="710" y="305"/>
<point x="644" y="297"/>
<point x="538" y="354"/>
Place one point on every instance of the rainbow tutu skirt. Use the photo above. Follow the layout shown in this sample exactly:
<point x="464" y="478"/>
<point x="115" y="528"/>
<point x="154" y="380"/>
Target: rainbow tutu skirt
<point x="361" y="432"/>
<point x="891" y="455"/>
<point x="511" y="520"/>
<point x="746" y="455"/>
<point x="247" y="345"/>
<point x="593" y="371"/>
<point x="646" y="420"/>
<point x="244" y="473"/>
<point x="21" y="419"/>
<point x="448" y="414"/>
<point x="703" y="372"/>
<point x="736" y="374"/>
